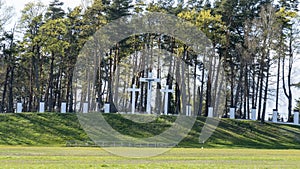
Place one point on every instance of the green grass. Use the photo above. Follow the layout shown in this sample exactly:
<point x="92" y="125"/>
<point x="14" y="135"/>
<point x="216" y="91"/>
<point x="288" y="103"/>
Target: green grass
<point x="55" y="129"/>
<point x="74" y="157"/>
<point x="51" y="129"/>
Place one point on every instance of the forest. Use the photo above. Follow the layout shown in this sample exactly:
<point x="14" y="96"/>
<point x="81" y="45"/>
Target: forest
<point x="254" y="47"/>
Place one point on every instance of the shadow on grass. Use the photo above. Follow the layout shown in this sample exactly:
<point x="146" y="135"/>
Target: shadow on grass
<point x="57" y="129"/>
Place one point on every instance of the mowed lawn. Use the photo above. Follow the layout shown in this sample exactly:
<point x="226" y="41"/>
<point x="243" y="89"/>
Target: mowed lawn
<point x="70" y="157"/>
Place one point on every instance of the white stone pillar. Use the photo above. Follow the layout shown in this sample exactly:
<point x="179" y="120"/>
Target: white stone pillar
<point x="19" y="107"/>
<point x="232" y="113"/>
<point x="166" y="103"/>
<point x="133" y="90"/>
<point x="296" y="117"/>
<point x="188" y="110"/>
<point x="63" y="108"/>
<point x="274" y="117"/>
<point x="253" y="114"/>
<point x="211" y="112"/>
<point x="42" y="107"/>
<point x="149" y="80"/>
<point x="106" y="108"/>
<point x="85" y="108"/>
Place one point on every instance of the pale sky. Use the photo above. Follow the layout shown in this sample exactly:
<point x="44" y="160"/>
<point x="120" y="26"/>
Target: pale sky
<point x="19" y="5"/>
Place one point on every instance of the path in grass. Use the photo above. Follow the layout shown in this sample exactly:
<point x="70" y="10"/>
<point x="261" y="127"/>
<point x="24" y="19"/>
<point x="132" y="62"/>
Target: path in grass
<point x="61" y="157"/>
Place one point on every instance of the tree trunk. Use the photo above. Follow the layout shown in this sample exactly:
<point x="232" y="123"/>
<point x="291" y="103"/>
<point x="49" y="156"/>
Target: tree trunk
<point x="266" y="93"/>
<point x="3" y="102"/>
<point x="277" y="83"/>
<point x="49" y="93"/>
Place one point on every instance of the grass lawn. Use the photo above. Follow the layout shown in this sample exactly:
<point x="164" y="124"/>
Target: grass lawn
<point x="79" y="157"/>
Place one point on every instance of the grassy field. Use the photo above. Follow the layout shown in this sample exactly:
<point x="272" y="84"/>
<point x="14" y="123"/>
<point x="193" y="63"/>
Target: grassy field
<point x="56" y="129"/>
<point x="70" y="157"/>
<point x="38" y="140"/>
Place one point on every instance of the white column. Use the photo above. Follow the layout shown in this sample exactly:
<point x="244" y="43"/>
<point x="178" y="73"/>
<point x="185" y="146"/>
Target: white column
<point x="133" y="90"/>
<point x="85" y="108"/>
<point x="42" y="107"/>
<point x="97" y="107"/>
<point x="149" y="80"/>
<point x="106" y="108"/>
<point x="63" y="108"/>
<point x="253" y="114"/>
<point x="211" y="112"/>
<point x="19" y="107"/>
<point x="274" y="118"/>
<point x="232" y="113"/>
<point x="296" y="117"/>
<point x="166" y="91"/>
<point x="188" y="110"/>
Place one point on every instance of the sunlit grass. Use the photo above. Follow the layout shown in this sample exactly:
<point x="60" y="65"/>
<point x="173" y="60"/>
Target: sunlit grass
<point x="60" y="157"/>
<point x="56" y="129"/>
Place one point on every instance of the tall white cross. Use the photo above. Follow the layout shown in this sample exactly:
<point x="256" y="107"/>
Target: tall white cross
<point x="149" y="80"/>
<point x="133" y="90"/>
<point x="166" y="91"/>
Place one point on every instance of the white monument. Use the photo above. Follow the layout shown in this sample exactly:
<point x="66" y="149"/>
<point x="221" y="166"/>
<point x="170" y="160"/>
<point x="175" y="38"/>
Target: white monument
<point x="296" y="117"/>
<point x="19" y="107"/>
<point x="274" y="117"/>
<point x="85" y="108"/>
<point x="253" y="114"/>
<point x="166" y="91"/>
<point x="63" y="108"/>
<point x="106" y="108"/>
<point x="133" y="90"/>
<point x="210" y="112"/>
<point x="188" y="110"/>
<point x="42" y="107"/>
<point x="232" y="113"/>
<point x="149" y="80"/>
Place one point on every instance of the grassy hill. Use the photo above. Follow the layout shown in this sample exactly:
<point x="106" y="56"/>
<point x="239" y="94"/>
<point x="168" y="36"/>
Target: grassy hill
<point x="55" y="129"/>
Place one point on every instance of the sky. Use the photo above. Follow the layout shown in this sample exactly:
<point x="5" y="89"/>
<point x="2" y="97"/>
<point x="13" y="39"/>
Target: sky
<point x="19" y="5"/>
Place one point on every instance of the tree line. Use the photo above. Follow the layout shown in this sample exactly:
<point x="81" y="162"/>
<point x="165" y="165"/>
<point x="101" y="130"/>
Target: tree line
<point x="256" y="42"/>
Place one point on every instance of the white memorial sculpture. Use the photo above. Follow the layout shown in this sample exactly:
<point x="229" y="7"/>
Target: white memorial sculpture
<point x="42" y="107"/>
<point x="85" y="108"/>
<point x="133" y="90"/>
<point x="188" y="110"/>
<point x="106" y="108"/>
<point x="253" y="114"/>
<point x="63" y="108"/>
<point x="19" y="107"/>
<point x="274" y="118"/>
<point x="149" y="80"/>
<point x="166" y="91"/>
<point x="296" y="117"/>
<point x="232" y="113"/>
<point x="210" y="112"/>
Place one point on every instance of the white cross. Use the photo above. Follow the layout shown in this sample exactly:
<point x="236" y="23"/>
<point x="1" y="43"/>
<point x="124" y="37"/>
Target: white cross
<point x="133" y="90"/>
<point x="149" y="80"/>
<point x="166" y="91"/>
